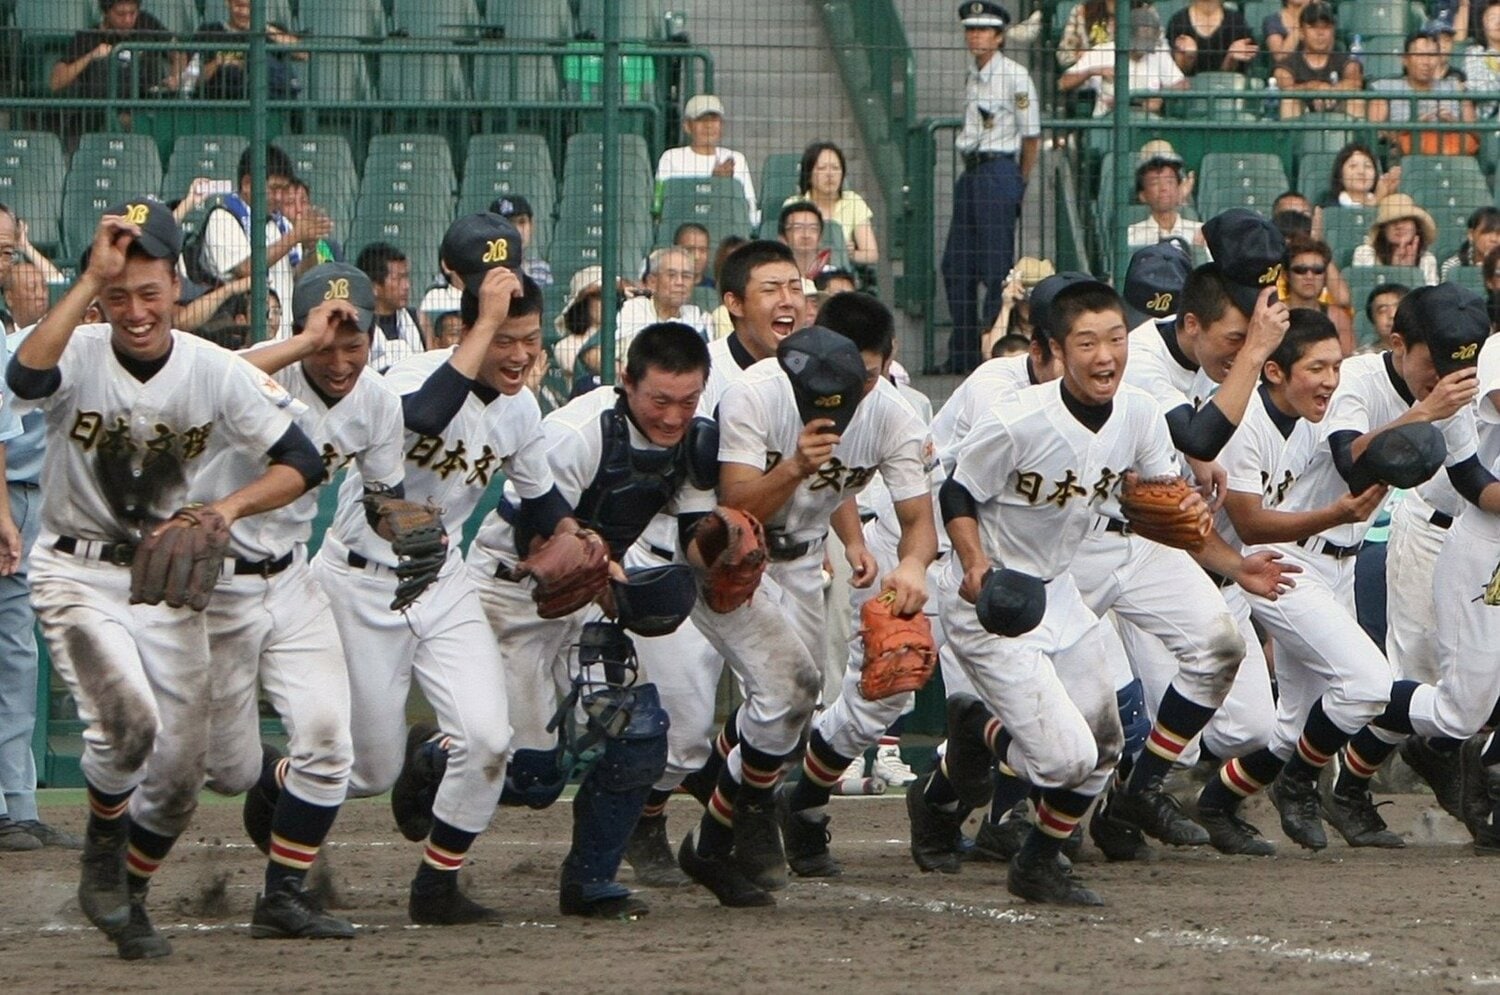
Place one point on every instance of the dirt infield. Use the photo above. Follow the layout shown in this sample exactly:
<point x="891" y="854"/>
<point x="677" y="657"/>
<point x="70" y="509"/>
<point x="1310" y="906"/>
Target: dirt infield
<point x="1418" y="920"/>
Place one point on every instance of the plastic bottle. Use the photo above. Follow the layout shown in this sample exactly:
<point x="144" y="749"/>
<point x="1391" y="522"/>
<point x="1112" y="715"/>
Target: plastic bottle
<point x="190" y="75"/>
<point x="1357" y="49"/>
<point x="1273" y="101"/>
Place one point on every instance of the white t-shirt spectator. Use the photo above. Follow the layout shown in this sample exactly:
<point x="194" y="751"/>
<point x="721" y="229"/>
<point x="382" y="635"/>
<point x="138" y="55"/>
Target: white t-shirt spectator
<point x="226" y="245"/>
<point x="1148" y="232"/>
<point x="638" y="312"/>
<point x="1153" y="71"/>
<point x="683" y="163"/>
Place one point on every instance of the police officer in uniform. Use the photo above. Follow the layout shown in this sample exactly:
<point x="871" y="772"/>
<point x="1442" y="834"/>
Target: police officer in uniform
<point x="999" y="142"/>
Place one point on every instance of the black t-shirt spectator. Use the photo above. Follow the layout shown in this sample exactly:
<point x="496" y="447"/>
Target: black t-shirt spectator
<point x="1213" y="48"/>
<point x="228" y="81"/>
<point x="1333" y="72"/>
<point x="94" y="81"/>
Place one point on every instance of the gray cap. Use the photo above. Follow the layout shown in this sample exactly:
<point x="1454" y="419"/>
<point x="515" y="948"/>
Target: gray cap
<point x="827" y="374"/>
<point x="334" y="282"/>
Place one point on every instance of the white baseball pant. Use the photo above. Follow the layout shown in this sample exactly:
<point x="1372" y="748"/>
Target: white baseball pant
<point x="1468" y="633"/>
<point x="1411" y="635"/>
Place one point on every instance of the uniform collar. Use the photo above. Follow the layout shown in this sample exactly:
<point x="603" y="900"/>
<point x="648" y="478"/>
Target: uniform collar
<point x="1168" y="332"/>
<point x="1284" y="422"/>
<point x="739" y="352"/>
<point x="1396" y="381"/>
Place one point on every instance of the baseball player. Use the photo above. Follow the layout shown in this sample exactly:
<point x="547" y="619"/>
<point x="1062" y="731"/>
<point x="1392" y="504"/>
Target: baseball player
<point x="136" y="413"/>
<point x="1027" y="483"/>
<point x="1332" y="680"/>
<point x="798" y="436"/>
<point x="851" y="724"/>
<point x="271" y="625"/>
<point x="467" y="416"/>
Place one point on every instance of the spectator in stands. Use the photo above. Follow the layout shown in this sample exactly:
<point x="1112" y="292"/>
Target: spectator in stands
<point x="820" y="182"/>
<point x="291" y="246"/>
<point x="1009" y="345"/>
<point x="669" y="278"/>
<point x="518" y="210"/>
<point x="1401" y="236"/>
<point x="1356" y="180"/>
<point x="1443" y="33"/>
<point x="443" y="296"/>
<point x="1206" y="38"/>
<point x="579" y="320"/>
<point x="1422" y="65"/>
<point x="1151" y="68"/>
<point x="84" y="70"/>
<point x="703" y="120"/>
<point x="298" y="201"/>
<point x="1482" y="61"/>
<point x="1015" y="307"/>
<point x="1292" y="213"/>
<point x="800" y="227"/>
<point x="1305" y="284"/>
<point x="1317" y="65"/>
<point x="835" y="281"/>
<point x="720" y="322"/>
<point x="693" y="237"/>
<point x="201" y="305"/>
<point x="1491" y="272"/>
<point x="1282" y="30"/>
<point x="224" y="75"/>
<point x="398" y="333"/>
<point x="1483" y="237"/>
<point x="1090" y="23"/>
<point x="26" y="296"/>
<point x="1158" y="185"/>
<point x="446" y="329"/>
<point x="1380" y="308"/>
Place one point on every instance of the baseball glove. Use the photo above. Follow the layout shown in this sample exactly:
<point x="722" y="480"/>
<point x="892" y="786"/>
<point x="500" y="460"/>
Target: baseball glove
<point x="416" y="534"/>
<point x="899" y="652"/>
<point x="181" y="560"/>
<point x="733" y="545"/>
<point x="1154" y="510"/>
<point x="571" y="569"/>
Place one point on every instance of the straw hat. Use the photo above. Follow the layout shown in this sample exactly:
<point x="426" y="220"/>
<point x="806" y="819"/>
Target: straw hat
<point x="1397" y="207"/>
<point x="583" y="280"/>
<point x="1156" y="151"/>
<point x="1031" y="271"/>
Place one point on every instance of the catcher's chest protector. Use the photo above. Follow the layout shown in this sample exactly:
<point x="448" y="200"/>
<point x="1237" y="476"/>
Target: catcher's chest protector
<point x="631" y="486"/>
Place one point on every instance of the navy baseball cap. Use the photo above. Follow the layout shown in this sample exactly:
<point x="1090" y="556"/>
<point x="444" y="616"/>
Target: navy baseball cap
<point x="477" y="243"/>
<point x="1155" y="278"/>
<point x="826" y="372"/>
<point x="334" y="282"/>
<point x="1457" y="321"/>
<point x="1044" y="293"/>
<point x="1248" y="251"/>
<point x="512" y="206"/>
<point x="983" y="14"/>
<point x="161" y="235"/>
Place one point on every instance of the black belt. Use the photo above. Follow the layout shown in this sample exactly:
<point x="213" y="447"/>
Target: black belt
<point x="262" y="568"/>
<point x="119" y="553"/>
<point x="1441" y="519"/>
<point x="1115" y="525"/>
<point x="780" y="548"/>
<point x="1219" y="579"/>
<point x="356" y="561"/>
<point x="866" y="517"/>
<point x="659" y="553"/>
<point x="1327" y="548"/>
<point x="972" y="159"/>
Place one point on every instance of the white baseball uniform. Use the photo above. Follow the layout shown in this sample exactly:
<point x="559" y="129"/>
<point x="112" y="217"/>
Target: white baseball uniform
<point x="1419" y="527"/>
<point x="1041" y="478"/>
<point x="993" y="380"/>
<point x="274" y="626"/>
<point x="444" y="638"/>
<point x="139" y="673"/>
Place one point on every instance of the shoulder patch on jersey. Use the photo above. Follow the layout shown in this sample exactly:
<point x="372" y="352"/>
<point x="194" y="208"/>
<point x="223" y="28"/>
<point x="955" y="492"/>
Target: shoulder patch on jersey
<point x="929" y="455"/>
<point x="1023" y="100"/>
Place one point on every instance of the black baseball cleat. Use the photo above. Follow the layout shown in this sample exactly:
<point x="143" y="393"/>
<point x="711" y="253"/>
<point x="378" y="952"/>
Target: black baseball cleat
<point x="51" y="835"/>
<point x="998" y="842"/>
<point x="1156" y="813"/>
<point x="723" y="877"/>
<point x="1228" y="833"/>
<point x="1049" y="882"/>
<point x="138" y="939"/>
<point x="102" y="891"/>
<point x="650" y="855"/>
<point x="445" y="905"/>
<point x="1118" y="840"/>
<point x="627" y="907"/>
<point x="1474" y="793"/>
<point x="1440" y="769"/>
<point x="1353" y="815"/>
<point x="1297" y="800"/>
<point x="967" y="761"/>
<point x="757" y="845"/>
<point x="806" y="841"/>
<point x="259" y="810"/>
<point x="936" y="837"/>
<point x="293" y="913"/>
<point x="416" y="786"/>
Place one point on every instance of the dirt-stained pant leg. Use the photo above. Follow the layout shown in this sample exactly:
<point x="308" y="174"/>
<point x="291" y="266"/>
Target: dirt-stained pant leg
<point x="1411" y="632"/>
<point x="536" y="652"/>
<point x="1053" y="689"/>
<point x="1468" y="634"/>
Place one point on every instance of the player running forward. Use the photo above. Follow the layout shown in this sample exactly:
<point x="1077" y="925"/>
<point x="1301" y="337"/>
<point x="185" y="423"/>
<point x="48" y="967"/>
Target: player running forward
<point x="467" y="417"/>
<point x="798" y="435"/>
<point x="853" y="723"/>
<point x="1332" y="680"/>
<point x="270" y="624"/>
<point x="1028" y="481"/>
<point x="136" y="415"/>
<point x="1264" y="462"/>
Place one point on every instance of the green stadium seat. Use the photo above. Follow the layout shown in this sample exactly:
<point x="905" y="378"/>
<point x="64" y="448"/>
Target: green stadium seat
<point x="575" y="246"/>
<point x="418" y="237"/>
<point x="326" y="163"/>
<point x="428" y="77"/>
<point x="1234" y="179"/>
<point x="1443" y="176"/>
<point x="585" y="152"/>
<point x="216" y="157"/>
<point x="640" y="20"/>
<point x="1369" y="18"/>
<point x="341" y="77"/>
<point x="1314" y="170"/>
<point x="332" y="19"/>
<point x="706" y="298"/>
<point x="496" y="165"/>
<point x="530" y="20"/>
<point x="1217" y="109"/>
<point x="277" y="12"/>
<point x="1452" y="221"/>
<point x="715" y="202"/>
<point x="38" y="19"/>
<point x="434" y="18"/>
<point x="837" y="243"/>
<point x="105" y="173"/>
<point x="1382" y="56"/>
<point x="522" y="78"/>
<point x="1337" y="131"/>
<point x="1362" y="280"/>
<point x="338" y="78"/>
<point x="409" y="162"/>
<point x="181" y="17"/>
<point x="31" y="183"/>
<point x="778" y="181"/>
<point x="1471" y="277"/>
<point x="1345" y="229"/>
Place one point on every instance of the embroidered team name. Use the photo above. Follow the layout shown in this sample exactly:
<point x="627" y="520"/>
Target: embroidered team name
<point x="832" y="474"/>
<point x="90" y="432"/>
<point x="429" y="454"/>
<point x="1270" y="276"/>
<point x="1276" y="494"/>
<point x="333" y="460"/>
<point x="338" y="290"/>
<point x="136" y="214"/>
<point x="1161" y="303"/>
<point x="831" y="401"/>
<point x="1030" y="484"/>
<point x="497" y="251"/>
<point x="1466" y="353"/>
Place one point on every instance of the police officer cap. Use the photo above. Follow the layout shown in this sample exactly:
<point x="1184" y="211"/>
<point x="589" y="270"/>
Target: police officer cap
<point x="827" y="374"/>
<point x="334" y="282"/>
<point x="1455" y="319"/>
<point x="1155" y="278"/>
<point x="478" y="243"/>
<point x="1044" y="293"/>
<point x="1248" y="251"/>
<point x="1406" y="455"/>
<point x="983" y="14"/>
<point x="1011" y="603"/>
<point x="161" y="236"/>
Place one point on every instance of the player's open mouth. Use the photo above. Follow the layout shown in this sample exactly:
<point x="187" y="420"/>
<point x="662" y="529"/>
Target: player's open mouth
<point x="784" y="325"/>
<point x="341" y="384"/>
<point x="512" y="374"/>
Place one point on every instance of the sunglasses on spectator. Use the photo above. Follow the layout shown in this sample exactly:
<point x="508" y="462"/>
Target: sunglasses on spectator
<point x="1306" y="270"/>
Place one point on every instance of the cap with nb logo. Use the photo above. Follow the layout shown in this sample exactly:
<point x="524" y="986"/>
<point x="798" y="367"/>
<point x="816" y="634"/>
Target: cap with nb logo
<point x="161" y="236"/>
<point x="334" y="282"/>
<point x="827" y="374"/>
<point x="478" y="243"/>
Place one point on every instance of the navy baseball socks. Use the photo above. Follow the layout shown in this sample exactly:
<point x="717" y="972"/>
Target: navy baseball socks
<point x="649" y="852"/>
<point x="714" y="858"/>
<point x="1142" y="800"/>
<point x="1038" y="873"/>
<point x="802" y="810"/>
<point x="435" y="899"/>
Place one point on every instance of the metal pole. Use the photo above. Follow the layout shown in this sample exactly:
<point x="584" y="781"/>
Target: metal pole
<point x="1124" y="168"/>
<point x="258" y="212"/>
<point x="609" y="256"/>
